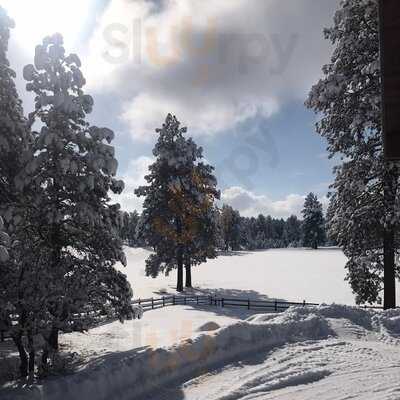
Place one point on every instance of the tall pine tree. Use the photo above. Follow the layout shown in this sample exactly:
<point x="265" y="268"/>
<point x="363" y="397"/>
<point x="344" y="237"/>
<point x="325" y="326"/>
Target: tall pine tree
<point x="75" y="165"/>
<point x="364" y="208"/>
<point x="313" y="222"/>
<point x="177" y="210"/>
<point x="17" y="200"/>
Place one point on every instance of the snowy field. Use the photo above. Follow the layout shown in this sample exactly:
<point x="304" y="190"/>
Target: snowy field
<point x="213" y="353"/>
<point x="288" y="274"/>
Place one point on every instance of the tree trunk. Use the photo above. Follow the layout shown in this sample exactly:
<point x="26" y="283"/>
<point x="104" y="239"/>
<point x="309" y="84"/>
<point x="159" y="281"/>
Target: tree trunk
<point x="31" y="365"/>
<point x="23" y="368"/>
<point x="188" y="268"/>
<point x="389" y="277"/>
<point x="52" y="342"/>
<point x="179" y="260"/>
<point x="179" y="257"/>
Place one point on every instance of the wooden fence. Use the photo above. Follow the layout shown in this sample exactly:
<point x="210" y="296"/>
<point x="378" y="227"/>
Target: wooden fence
<point x="210" y="301"/>
<point x="274" y="305"/>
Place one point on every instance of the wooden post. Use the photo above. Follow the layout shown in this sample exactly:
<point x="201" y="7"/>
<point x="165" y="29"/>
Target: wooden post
<point x="304" y="303"/>
<point x="276" y="305"/>
<point x="248" y="304"/>
<point x="197" y="300"/>
<point x="173" y="300"/>
<point x="163" y="301"/>
<point x="184" y="300"/>
<point x="389" y="30"/>
<point x="222" y="302"/>
<point x="389" y="27"/>
<point x="152" y="303"/>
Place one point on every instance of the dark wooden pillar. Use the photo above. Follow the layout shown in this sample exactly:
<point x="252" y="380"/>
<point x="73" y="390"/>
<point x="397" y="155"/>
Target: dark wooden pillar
<point x="389" y="26"/>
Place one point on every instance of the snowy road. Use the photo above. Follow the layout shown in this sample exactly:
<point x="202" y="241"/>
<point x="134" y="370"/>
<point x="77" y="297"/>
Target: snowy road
<point x="355" y="365"/>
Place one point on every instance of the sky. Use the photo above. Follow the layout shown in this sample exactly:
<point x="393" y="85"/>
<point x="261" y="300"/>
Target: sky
<point x="235" y="72"/>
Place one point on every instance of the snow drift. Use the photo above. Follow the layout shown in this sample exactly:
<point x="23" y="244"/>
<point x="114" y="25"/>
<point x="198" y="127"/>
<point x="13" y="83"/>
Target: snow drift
<point x="135" y="373"/>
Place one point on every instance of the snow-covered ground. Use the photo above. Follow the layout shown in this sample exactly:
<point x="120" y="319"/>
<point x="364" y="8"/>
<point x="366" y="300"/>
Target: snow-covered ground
<point x="290" y="274"/>
<point x="326" y="352"/>
<point x="214" y="353"/>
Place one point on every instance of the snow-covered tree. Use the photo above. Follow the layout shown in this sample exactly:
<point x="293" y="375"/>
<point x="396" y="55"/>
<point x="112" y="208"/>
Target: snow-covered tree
<point x="178" y="203"/>
<point x="230" y="227"/>
<point x="16" y="203"/>
<point x="364" y="210"/>
<point x="292" y="232"/>
<point x="74" y="163"/>
<point x="313" y="222"/>
<point x="128" y="223"/>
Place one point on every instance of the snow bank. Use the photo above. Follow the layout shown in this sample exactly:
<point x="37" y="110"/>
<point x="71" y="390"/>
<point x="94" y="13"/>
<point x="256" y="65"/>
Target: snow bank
<point x="135" y="373"/>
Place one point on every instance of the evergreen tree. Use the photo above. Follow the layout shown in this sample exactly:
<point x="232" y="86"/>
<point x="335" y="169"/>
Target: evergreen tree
<point x="313" y="223"/>
<point x="17" y="273"/>
<point x="363" y="217"/>
<point x="292" y="232"/>
<point x="128" y="223"/>
<point x="230" y="227"/>
<point x="177" y="209"/>
<point x="75" y="165"/>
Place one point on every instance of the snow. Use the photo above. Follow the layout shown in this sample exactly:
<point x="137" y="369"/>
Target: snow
<point x="316" y="276"/>
<point x="325" y="352"/>
<point x="202" y="352"/>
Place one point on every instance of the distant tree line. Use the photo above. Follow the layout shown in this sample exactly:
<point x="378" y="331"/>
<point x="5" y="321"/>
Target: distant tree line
<point x="235" y="232"/>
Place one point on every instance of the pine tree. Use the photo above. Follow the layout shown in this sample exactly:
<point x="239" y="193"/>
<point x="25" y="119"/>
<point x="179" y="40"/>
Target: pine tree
<point x="313" y="223"/>
<point x="75" y="165"/>
<point x="292" y="232"/>
<point x="177" y="210"/>
<point x="128" y="223"/>
<point x="364" y="206"/>
<point x="230" y="227"/>
<point x="16" y="202"/>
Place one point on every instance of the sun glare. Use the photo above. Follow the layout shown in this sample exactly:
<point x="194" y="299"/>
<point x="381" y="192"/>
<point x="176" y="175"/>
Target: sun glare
<point x="39" y="18"/>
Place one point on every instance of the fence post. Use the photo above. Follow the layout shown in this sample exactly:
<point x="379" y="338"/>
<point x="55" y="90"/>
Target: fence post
<point x="173" y="300"/>
<point x="197" y="300"/>
<point x="152" y="303"/>
<point x="163" y="301"/>
<point x="304" y="303"/>
<point x="248" y="304"/>
<point x="184" y="300"/>
<point x="222" y="302"/>
<point x="276" y="305"/>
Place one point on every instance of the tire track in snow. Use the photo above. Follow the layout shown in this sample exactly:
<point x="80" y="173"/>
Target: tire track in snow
<point x="325" y="370"/>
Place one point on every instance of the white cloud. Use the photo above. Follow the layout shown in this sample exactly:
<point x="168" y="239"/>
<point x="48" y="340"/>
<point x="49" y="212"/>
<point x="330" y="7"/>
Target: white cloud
<point x="133" y="178"/>
<point x="213" y="64"/>
<point x="249" y="204"/>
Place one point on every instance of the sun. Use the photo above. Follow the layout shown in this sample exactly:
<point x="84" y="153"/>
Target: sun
<point x="36" y="19"/>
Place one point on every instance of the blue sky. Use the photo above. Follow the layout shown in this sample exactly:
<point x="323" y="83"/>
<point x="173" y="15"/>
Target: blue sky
<point x="236" y="73"/>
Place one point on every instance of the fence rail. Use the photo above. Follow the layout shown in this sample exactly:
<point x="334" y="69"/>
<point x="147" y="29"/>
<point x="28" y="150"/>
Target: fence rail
<point x="205" y="300"/>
